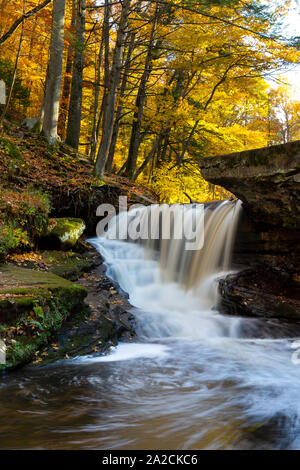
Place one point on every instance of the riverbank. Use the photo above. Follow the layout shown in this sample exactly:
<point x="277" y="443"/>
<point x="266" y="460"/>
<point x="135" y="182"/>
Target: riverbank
<point x="104" y="321"/>
<point x="87" y="323"/>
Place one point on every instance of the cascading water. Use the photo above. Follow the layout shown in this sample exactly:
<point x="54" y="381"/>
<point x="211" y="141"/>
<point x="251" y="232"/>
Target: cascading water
<point x="194" y="379"/>
<point x="175" y="287"/>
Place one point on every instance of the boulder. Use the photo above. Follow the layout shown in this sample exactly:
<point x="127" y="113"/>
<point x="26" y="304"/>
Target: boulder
<point x="260" y="292"/>
<point x="63" y="234"/>
<point x="30" y="123"/>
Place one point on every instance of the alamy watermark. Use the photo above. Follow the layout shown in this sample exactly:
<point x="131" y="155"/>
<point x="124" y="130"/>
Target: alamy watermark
<point x="154" y="222"/>
<point x="2" y="352"/>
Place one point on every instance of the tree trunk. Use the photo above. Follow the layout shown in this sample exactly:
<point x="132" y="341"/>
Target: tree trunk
<point x="15" y="70"/>
<point x="67" y="81"/>
<point x="96" y="124"/>
<point x="148" y="159"/>
<point x="187" y="143"/>
<point x="75" y="106"/>
<point x="54" y="76"/>
<point x="110" y="99"/>
<point x="139" y="104"/>
<point x="116" y="128"/>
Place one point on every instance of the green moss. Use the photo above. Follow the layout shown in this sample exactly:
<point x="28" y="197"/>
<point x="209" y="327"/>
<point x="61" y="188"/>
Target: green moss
<point x="97" y="182"/>
<point x="33" y="305"/>
<point x="71" y="267"/>
<point x="37" y="128"/>
<point x="67" y="264"/>
<point x="66" y="233"/>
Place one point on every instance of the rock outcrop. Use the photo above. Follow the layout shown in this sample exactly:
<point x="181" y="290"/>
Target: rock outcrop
<point x="44" y="317"/>
<point x="267" y="180"/>
<point x="260" y="292"/>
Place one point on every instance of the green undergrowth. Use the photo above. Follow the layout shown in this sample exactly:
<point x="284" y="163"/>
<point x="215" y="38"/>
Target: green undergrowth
<point x="23" y="217"/>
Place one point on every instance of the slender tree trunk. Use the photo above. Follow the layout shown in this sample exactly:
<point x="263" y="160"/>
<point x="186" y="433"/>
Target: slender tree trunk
<point x="117" y="121"/>
<point x="187" y="143"/>
<point x="148" y="159"/>
<point x="54" y="75"/>
<point x="105" y="48"/>
<point x="162" y="150"/>
<point x="95" y="130"/>
<point x="110" y="100"/>
<point x="269" y="121"/>
<point x="67" y="81"/>
<point x="15" y="69"/>
<point x="42" y="110"/>
<point x="75" y="106"/>
<point x="105" y="37"/>
<point x="140" y="102"/>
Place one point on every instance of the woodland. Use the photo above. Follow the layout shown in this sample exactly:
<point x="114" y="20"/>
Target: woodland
<point x="144" y="89"/>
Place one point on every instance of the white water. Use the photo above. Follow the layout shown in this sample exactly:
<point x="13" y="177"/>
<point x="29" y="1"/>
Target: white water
<point x="175" y="289"/>
<point x="221" y="363"/>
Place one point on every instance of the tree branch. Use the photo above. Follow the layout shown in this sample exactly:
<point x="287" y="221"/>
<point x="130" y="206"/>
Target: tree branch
<point x="22" y="18"/>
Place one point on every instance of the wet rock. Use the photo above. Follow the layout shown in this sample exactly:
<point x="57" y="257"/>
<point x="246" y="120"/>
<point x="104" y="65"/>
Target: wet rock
<point x="260" y="292"/>
<point x="105" y="321"/>
<point x="64" y="234"/>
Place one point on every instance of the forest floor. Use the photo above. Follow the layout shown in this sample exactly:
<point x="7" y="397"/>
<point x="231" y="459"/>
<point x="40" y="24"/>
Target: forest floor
<point x="25" y="157"/>
<point x="38" y="182"/>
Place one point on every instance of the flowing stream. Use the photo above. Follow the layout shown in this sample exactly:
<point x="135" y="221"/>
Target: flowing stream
<point x="194" y="379"/>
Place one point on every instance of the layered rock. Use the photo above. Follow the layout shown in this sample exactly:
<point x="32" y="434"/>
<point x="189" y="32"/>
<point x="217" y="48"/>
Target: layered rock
<point x="33" y="305"/>
<point x="267" y="180"/>
<point x="259" y="292"/>
<point x="45" y="317"/>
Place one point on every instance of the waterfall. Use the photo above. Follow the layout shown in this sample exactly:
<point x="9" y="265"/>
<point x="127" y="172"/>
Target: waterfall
<point x="192" y="379"/>
<point x="173" y="288"/>
<point x="215" y="226"/>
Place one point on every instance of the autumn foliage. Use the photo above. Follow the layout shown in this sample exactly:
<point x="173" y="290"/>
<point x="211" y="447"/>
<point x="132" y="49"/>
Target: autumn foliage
<point x="159" y="83"/>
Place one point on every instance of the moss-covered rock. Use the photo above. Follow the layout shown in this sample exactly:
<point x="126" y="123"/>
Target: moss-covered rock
<point x="64" y="234"/>
<point x="68" y="264"/>
<point x="33" y="305"/>
<point x="107" y="320"/>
